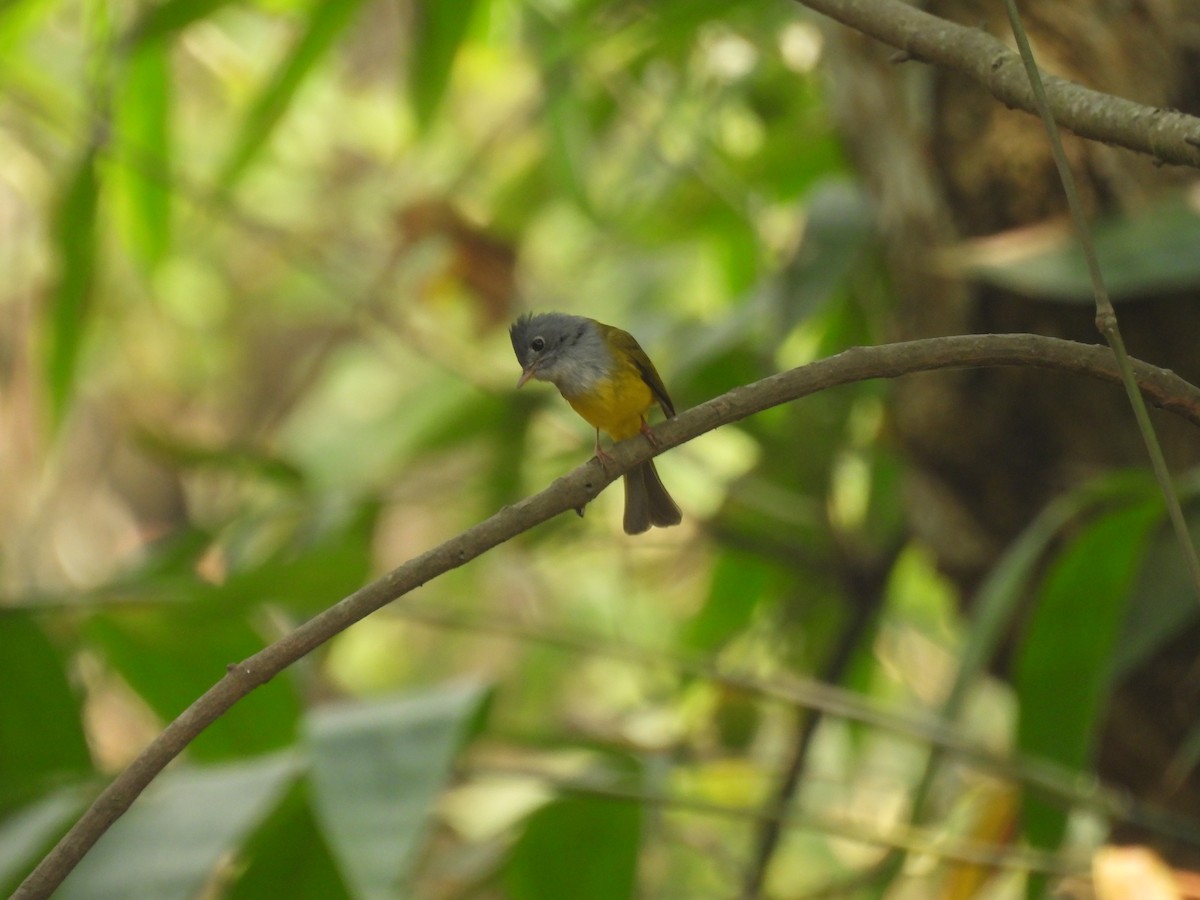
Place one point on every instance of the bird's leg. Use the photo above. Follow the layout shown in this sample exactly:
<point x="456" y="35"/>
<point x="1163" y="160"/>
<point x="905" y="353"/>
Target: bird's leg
<point x="650" y="438"/>
<point x="601" y="454"/>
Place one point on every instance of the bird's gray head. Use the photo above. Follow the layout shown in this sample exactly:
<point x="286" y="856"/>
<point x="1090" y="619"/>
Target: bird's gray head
<point x="566" y="350"/>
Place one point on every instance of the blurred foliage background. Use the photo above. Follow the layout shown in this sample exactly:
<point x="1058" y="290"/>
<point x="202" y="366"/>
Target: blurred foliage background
<point x="259" y="261"/>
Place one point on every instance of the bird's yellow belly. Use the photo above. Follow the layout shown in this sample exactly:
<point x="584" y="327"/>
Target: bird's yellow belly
<point x="615" y="406"/>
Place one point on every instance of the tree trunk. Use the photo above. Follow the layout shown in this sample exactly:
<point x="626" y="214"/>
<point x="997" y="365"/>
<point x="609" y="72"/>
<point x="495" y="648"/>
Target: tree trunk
<point x="945" y="162"/>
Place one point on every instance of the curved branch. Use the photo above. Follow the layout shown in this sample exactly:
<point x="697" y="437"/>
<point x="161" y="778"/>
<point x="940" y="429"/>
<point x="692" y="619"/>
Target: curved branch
<point x="574" y="491"/>
<point x="1165" y="134"/>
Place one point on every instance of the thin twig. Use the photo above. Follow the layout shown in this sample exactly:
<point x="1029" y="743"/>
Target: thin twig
<point x="902" y="837"/>
<point x="572" y="492"/>
<point x="1052" y="781"/>
<point x="1106" y="316"/>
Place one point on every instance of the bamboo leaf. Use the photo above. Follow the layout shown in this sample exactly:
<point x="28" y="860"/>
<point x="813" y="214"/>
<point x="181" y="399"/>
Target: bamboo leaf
<point x="326" y="20"/>
<point x="143" y="147"/>
<point x="438" y="34"/>
<point x="170" y="17"/>
<point x="1064" y="669"/>
<point x="69" y="310"/>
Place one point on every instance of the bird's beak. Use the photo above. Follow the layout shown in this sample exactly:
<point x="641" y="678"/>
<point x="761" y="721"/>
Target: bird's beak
<point x="525" y="376"/>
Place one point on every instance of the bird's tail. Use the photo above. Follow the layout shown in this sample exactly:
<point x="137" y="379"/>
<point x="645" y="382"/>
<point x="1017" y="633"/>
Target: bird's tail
<point x="647" y="501"/>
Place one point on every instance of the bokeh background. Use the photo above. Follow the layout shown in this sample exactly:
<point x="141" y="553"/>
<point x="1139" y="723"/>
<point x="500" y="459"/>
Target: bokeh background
<point x="259" y="260"/>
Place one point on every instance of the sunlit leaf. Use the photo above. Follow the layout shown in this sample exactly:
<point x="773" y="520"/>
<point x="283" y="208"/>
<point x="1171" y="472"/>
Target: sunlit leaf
<point x="737" y="584"/>
<point x="1064" y="666"/>
<point x="16" y="18"/>
<point x="325" y="21"/>
<point x="169" y="843"/>
<point x="143" y="139"/>
<point x="378" y="766"/>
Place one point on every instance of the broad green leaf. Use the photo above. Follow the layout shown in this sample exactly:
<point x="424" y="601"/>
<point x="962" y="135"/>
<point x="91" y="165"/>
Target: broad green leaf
<point x="1141" y="255"/>
<point x="1063" y="670"/>
<point x="70" y="304"/>
<point x="28" y="833"/>
<point x="326" y="19"/>
<point x="438" y="33"/>
<point x="738" y="582"/>
<point x="1162" y="603"/>
<point x="170" y="842"/>
<point x="288" y="858"/>
<point x="583" y="847"/>
<point x="41" y="733"/>
<point x="144" y="148"/>
<point x="170" y="655"/>
<point x="378" y="767"/>
<point x="1006" y="585"/>
<point x="999" y="598"/>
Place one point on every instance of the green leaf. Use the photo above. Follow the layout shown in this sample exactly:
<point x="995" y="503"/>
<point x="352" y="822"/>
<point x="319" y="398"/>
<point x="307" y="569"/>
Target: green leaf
<point x="585" y="848"/>
<point x="570" y="138"/>
<point x="170" y="17"/>
<point x="837" y="229"/>
<point x="288" y="858"/>
<point x="1005" y="587"/>
<point x="173" y="838"/>
<point x="378" y="767"/>
<point x="1144" y="254"/>
<point x="1064" y="668"/>
<point x="313" y="570"/>
<point x="171" y="655"/>
<point x="325" y="22"/>
<point x="41" y="732"/>
<point x="1163" y="601"/>
<point x="143" y="147"/>
<point x="1000" y="596"/>
<point x="29" y="832"/>
<point x="438" y="33"/>
<point x="240" y="461"/>
<point x="738" y="582"/>
<point x="74" y="243"/>
<point x="17" y="17"/>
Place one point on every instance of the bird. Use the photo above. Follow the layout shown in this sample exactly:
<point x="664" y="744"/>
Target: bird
<point x="609" y="380"/>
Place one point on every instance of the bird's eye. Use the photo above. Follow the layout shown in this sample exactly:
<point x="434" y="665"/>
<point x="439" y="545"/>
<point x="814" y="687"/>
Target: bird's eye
<point x="537" y="345"/>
